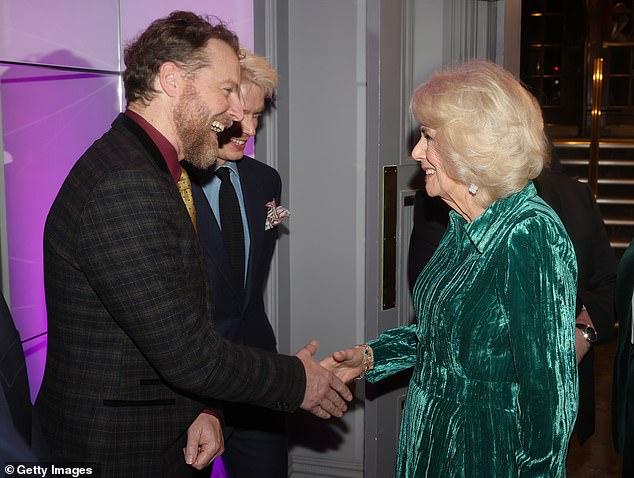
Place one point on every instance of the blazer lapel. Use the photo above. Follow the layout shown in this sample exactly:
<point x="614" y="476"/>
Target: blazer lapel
<point x="210" y="235"/>
<point x="256" y="216"/>
<point x="124" y="121"/>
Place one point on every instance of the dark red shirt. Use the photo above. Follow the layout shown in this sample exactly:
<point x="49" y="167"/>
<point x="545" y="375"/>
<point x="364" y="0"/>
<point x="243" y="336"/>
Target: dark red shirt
<point x="162" y="143"/>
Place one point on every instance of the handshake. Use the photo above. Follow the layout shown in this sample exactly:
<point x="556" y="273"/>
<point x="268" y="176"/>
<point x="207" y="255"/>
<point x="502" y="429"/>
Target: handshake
<point x="326" y="394"/>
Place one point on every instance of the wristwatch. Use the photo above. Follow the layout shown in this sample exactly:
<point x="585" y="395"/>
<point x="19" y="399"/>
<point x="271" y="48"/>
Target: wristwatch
<point x="588" y="332"/>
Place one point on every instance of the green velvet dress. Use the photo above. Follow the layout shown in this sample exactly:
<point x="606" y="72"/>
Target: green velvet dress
<point x="494" y="387"/>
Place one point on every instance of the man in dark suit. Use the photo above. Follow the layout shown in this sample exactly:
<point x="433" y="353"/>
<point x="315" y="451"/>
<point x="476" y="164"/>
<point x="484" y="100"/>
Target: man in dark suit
<point x="575" y="205"/>
<point x="133" y="356"/>
<point x="255" y="438"/>
<point x="15" y="399"/>
<point x="623" y="385"/>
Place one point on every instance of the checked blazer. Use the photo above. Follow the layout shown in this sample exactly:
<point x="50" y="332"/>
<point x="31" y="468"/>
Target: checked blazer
<point x="133" y="355"/>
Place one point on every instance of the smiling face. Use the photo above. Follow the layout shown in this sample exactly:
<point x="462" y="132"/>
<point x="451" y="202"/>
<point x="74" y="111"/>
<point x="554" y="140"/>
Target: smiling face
<point x="208" y="104"/>
<point x="438" y="179"/>
<point x="234" y="139"/>
<point x="438" y="182"/>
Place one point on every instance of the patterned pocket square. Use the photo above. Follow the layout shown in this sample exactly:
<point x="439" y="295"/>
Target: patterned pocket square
<point x="275" y="215"/>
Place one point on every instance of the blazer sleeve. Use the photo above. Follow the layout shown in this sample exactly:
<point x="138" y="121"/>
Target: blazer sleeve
<point x="278" y="187"/>
<point x="14" y="382"/>
<point x="277" y="180"/>
<point x="597" y="289"/>
<point x="538" y="296"/>
<point x="140" y="255"/>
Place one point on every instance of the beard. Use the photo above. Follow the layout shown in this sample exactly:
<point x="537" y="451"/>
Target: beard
<point x="193" y="126"/>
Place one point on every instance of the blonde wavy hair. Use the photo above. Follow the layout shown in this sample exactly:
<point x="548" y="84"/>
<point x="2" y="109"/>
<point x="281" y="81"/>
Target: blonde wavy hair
<point x="257" y="70"/>
<point x="489" y="128"/>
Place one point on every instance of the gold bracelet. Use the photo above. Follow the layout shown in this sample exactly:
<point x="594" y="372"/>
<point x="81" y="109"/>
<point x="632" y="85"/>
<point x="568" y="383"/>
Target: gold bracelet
<point x="368" y="360"/>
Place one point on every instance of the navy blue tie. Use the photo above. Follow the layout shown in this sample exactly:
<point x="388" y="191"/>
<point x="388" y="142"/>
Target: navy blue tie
<point x="231" y="224"/>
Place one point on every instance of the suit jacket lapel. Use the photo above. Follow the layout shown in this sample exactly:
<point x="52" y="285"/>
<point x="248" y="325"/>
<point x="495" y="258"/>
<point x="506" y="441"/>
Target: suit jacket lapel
<point x="124" y="121"/>
<point x="256" y="216"/>
<point x="211" y="235"/>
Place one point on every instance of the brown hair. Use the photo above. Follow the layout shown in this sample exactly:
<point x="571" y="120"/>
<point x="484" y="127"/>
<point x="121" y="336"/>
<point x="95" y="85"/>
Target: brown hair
<point x="180" y="38"/>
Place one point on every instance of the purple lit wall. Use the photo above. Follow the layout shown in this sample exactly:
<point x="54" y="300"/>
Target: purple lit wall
<point x="50" y="116"/>
<point x="48" y="121"/>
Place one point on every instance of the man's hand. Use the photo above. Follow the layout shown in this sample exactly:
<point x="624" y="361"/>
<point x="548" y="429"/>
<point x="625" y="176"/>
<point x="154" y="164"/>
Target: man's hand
<point x="582" y="346"/>
<point x="325" y="394"/>
<point x="205" y="442"/>
<point x="345" y="364"/>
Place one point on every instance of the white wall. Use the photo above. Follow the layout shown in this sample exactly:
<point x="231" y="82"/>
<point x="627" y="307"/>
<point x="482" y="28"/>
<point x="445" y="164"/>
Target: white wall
<point x="238" y="14"/>
<point x="326" y="194"/>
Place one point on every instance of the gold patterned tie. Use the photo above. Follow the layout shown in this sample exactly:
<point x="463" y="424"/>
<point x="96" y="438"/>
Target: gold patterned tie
<point x="185" y="188"/>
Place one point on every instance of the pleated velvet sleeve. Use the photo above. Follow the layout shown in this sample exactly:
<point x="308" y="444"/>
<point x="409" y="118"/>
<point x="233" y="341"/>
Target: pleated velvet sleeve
<point x="538" y="298"/>
<point x="394" y="350"/>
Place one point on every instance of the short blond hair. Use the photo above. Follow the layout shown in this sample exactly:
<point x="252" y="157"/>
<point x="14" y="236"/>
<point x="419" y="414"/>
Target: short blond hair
<point x="257" y="70"/>
<point x="489" y="128"/>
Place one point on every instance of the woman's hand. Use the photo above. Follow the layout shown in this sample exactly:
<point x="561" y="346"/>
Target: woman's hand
<point x="346" y="364"/>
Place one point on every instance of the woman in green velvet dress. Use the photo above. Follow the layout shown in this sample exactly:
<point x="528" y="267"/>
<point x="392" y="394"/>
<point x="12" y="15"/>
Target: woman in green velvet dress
<point x="494" y="386"/>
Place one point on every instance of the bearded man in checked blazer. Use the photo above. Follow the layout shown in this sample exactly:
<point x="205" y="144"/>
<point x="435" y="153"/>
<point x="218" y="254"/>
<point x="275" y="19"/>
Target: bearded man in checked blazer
<point x="133" y="356"/>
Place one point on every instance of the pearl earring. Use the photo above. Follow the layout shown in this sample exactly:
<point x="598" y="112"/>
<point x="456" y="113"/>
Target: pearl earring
<point x="473" y="189"/>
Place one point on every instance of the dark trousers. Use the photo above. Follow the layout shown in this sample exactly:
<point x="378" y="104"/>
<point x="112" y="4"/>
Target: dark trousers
<point x="256" y="444"/>
<point x="628" y="449"/>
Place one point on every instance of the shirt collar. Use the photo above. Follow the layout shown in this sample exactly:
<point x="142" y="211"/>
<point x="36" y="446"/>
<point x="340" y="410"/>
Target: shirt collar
<point x="486" y="227"/>
<point x="162" y="143"/>
<point x="232" y="165"/>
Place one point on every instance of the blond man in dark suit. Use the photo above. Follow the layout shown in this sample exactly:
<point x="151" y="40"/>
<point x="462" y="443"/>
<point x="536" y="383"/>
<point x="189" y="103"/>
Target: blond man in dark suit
<point x="255" y="437"/>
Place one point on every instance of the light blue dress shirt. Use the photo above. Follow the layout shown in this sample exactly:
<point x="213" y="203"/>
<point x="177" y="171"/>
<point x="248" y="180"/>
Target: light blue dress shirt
<point x="212" y="192"/>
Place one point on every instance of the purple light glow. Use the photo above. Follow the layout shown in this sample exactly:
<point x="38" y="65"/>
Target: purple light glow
<point x="49" y="120"/>
<point x="50" y="117"/>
